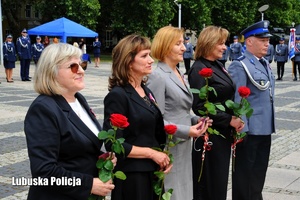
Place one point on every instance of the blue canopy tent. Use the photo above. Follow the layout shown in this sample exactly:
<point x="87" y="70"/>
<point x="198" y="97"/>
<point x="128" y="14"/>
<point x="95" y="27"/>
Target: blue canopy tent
<point x="63" y="28"/>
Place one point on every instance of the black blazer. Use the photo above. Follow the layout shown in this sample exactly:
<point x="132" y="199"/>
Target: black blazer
<point x="144" y="129"/>
<point x="224" y="86"/>
<point x="60" y="145"/>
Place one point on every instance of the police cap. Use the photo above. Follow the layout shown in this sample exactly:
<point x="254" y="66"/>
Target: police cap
<point x="9" y="36"/>
<point x="186" y="38"/>
<point x="281" y="39"/>
<point x="235" y="37"/>
<point x="297" y="38"/>
<point x="259" y="29"/>
<point x="38" y="37"/>
<point x="24" y="30"/>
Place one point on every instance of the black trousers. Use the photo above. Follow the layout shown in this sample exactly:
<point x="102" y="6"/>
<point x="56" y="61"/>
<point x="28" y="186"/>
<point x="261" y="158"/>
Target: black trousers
<point x="24" y="69"/>
<point x="214" y="179"/>
<point x="251" y="163"/>
<point x="187" y="64"/>
<point x="280" y="69"/>
<point x="296" y="65"/>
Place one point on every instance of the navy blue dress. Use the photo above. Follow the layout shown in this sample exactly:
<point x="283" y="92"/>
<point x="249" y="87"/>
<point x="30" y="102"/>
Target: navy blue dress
<point x="9" y="54"/>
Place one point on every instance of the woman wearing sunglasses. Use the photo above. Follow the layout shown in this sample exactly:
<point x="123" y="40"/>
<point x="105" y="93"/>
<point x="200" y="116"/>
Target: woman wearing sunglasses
<point x="61" y="130"/>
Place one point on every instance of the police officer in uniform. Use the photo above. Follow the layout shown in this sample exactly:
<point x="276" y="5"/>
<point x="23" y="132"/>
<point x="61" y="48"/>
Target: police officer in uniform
<point x="188" y="54"/>
<point x="24" y="52"/>
<point x="297" y="59"/>
<point x="97" y="51"/>
<point x="252" y="154"/>
<point x="235" y="49"/>
<point x="9" y="52"/>
<point x="281" y="57"/>
<point x="270" y="54"/>
<point x="37" y="49"/>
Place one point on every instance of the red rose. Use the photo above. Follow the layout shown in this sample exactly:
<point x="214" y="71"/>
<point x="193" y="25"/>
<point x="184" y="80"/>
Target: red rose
<point x="206" y="72"/>
<point x="119" y="120"/>
<point x="170" y="129"/>
<point x="244" y="91"/>
<point x="104" y="156"/>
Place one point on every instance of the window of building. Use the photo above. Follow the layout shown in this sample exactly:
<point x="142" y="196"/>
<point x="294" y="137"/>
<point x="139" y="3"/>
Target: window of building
<point x="28" y="11"/>
<point x="36" y="13"/>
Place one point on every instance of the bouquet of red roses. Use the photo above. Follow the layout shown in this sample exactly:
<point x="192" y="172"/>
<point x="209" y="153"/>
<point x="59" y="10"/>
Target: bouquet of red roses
<point x="158" y="185"/>
<point x="239" y="110"/>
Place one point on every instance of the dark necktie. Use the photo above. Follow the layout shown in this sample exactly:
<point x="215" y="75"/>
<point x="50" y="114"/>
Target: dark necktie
<point x="263" y="62"/>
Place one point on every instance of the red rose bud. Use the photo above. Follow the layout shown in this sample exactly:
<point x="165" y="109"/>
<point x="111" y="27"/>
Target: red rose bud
<point x="119" y="120"/>
<point x="206" y="72"/>
<point x="244" y="91"/>
<point x="104" y="156"/>
<point x="170" y="129"/>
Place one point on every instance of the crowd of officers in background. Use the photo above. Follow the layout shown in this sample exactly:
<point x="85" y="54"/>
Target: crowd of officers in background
<point x="25" y="51"/>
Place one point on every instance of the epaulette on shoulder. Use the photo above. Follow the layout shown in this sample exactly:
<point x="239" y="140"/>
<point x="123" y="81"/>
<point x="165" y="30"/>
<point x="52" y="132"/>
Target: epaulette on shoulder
<point x="242" y="57"/>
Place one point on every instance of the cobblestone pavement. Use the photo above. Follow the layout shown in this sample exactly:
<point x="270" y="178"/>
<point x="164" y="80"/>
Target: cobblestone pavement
<point x="283" y="177"/>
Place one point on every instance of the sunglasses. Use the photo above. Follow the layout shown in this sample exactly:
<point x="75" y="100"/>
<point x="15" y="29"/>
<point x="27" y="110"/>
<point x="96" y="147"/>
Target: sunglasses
<point x="75" y="66"/>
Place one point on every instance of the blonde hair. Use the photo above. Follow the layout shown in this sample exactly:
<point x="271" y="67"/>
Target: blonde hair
<point x="208" y="39"/>
<point x="123" y="55"/>
<point x="47" y="67"/>
<point x="164" y="40"/>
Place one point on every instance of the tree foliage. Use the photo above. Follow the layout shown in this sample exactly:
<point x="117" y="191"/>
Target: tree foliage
<point x="147" y="16"/>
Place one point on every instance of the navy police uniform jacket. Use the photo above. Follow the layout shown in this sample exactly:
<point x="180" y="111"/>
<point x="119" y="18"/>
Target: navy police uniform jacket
<point x="96" y="46"/>
<point x="262" y="121"/>
<point x="9" y="52"/>
<point x="188" y="54"/>
<point x="235" y="50"/>
<point x="37" y="50"/>
<point x="297" y="52"/>
<point x="281" y="53"/>
<point x="270" y="54"/>
<point x="24" y="47"/>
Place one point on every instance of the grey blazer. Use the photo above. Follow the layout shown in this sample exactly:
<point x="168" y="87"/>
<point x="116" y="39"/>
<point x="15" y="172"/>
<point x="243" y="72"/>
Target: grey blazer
<point x="175" y="102"/>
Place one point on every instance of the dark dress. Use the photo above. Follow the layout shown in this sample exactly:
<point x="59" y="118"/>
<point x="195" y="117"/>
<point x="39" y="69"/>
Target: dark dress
<point x="145" y="130"/>
<point x="9" y="52"/>
<point x="96" y="49"/>
<point x="214" y="179"/>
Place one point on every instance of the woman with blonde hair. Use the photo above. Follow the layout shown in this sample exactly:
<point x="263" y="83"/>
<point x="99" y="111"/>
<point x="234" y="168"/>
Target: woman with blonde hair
<point x="175" y="102"/>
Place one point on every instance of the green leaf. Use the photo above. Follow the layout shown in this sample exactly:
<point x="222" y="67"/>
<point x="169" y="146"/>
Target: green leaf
<point x="229" y="104"/>
<point x="249" y="113"/>
<point x="171" y="158"/>
<point x="105" y="175"/>
<point x="167" y="195"/>
<point x="120" y="175"/>
<point x="108" y="164"/>
<point x="102" y="135"/>
<point x="220" y="106"/>
<point x="100" y="163"/>
<point x="121" y="140"/>
<point x="171" y="144"/>
<point x="194" y="91"/>
<point x="159" y="174"/>
<point x="117" y="147"/>
<point x="210" y="108"/>
<point x="211" y="89"/>
<point x="157" y="187"/>
<point x="202" y="113"/>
